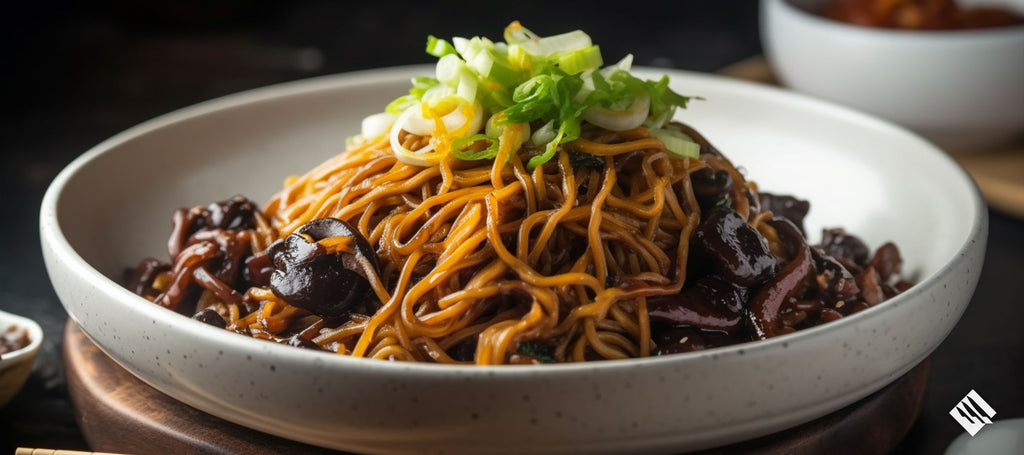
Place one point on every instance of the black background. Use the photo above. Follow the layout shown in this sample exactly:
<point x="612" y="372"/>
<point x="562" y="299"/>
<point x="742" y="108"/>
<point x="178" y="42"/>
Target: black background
<point x="77" y="73"/>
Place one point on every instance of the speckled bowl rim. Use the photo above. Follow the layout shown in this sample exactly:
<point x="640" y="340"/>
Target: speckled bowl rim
<point x="51" y="233"/>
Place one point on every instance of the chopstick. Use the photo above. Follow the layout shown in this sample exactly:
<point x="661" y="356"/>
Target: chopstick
<point x="35" y="451"/>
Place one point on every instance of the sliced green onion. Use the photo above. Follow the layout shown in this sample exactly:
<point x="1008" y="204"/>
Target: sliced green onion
<point x="549" y="150"/>
<point x="518" y="57"/>
<point x="663" y="98"/>
<point x="467" y="87"/>
<point x="495" y="126"/>
<point x="677" y="142"/>
<point x="620" y="119"/>
<point x="402" y="103"/>
<point x="421" y="84"/>
<point x="468" y="155"/>
<point x="565" y="42"/>
<point x="580" y="60"/>
<point x="533" y="99"/>
<point x="438" y="47"/>
<point x="459" y="43"/>
<point x="449" y="70"/>
<point x="515" y="33"/>
<point x="490" y="65"/>
<point x="494" y="100"/>
<point x="468" y="49"/>
<point x="556" y="81"/>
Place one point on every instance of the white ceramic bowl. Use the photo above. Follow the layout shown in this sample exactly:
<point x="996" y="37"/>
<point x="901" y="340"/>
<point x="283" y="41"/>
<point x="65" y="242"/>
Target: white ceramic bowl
<point x="962" y="89"/>
<point x="112" y="206"/>
<point x="15" y="366"/>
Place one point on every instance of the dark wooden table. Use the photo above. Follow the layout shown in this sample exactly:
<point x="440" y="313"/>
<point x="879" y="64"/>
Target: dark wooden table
<point x="75" y="73"/>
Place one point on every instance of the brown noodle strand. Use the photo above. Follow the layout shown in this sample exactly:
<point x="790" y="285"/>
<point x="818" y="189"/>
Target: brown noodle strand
<point x="485" y="257"/>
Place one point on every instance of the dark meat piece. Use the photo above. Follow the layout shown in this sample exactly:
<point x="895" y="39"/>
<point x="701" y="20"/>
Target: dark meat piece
<point x="836" y="242"/>
<point x="788" y="207"/>
<point x="834" y="280"/>
<point x="887" y="261"/>
<point x="711" y="303"/>
<point x="737" y="252"/>
<point x="767" y="304"/>
<point x="711" y="187"/>
<point x="327" y="284"/>
<point x="210" y="316"/>
<point x="237" y="214"/>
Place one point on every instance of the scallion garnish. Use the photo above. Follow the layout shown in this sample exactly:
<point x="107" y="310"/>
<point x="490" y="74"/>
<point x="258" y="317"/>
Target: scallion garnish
<point x="554" y="81"/>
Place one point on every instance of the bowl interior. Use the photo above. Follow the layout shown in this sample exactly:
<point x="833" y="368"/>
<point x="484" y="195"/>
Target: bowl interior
<point x="116" y="209"/>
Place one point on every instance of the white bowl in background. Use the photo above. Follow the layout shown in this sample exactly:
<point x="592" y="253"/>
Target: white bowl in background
<point x="112" y="206"/>
<point x="15" y="366"/>
<point x="962" y="89"/>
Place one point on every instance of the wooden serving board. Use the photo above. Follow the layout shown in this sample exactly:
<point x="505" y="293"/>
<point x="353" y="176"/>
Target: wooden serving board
<point x="999" y="173"/>
<point x="119" y="413"/>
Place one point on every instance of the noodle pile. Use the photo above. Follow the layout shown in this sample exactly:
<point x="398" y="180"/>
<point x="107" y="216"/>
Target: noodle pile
<point x="488" y="250"/>
<point x="489" y="263"/>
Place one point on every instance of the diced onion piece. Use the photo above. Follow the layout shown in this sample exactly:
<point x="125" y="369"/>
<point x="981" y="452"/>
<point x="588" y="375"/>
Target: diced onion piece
<point x="463" y="120"/>
<point x="452" y="115"/>
<point x="492" y="66"/>
<point x="469" y="49"/>
<point x="677" y="142"/>
<point x="459" y="43"/>
<point x="473" y="112"/>
<point x="467" y="87"/>
<point x="449" y="70"/>
<point x="425" y="156"/>
<point x="544" y="134"/>
<point x="481" y="62"/>
<point x="626" y="119"/>
<point x="377" y="124"/>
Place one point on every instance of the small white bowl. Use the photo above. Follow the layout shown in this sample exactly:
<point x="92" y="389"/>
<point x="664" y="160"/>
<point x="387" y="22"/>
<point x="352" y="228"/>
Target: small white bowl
<point x="963" y="89"/>
<point x="15" y="366"/>
<point x="112" y="206"/>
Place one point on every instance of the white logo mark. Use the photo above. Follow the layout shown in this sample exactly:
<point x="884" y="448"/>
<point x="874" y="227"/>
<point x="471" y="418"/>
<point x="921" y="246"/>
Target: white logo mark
<point x="972" y="412"/>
